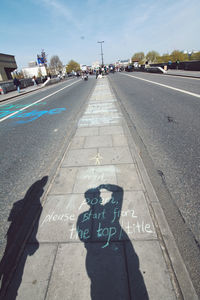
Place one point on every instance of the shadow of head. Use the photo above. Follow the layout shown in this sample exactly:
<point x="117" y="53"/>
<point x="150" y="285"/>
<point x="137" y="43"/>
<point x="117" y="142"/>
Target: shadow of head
<point x="32" y="197"/>
<point x="93" y="197"/>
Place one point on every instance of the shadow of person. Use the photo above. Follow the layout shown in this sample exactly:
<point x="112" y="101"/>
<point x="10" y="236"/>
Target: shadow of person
<point x="111" y="262"/>
<point x="22" y="217"/>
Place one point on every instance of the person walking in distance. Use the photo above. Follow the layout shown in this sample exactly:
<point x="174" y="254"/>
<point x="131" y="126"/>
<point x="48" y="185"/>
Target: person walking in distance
<point x="17" y="84"/>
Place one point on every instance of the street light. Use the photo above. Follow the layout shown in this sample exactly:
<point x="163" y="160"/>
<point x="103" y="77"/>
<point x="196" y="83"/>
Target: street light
<point x="101" y="52"/>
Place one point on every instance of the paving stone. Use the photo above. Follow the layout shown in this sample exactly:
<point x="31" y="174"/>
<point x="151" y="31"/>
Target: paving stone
<point x="111" y="130"/>
<point x="96" y="273"/>
<point x="64" y="181"/>
<point x="98" y="141"/>
<point x="106" y="98"/>
<point x="62" y="214"/>
<point x="69" y="279"/>
<point x="115" y="155"/>
<point x="87" y="131"/>
<point x="128" y="178"/>
<point x="100" y="108"/>
<point x="92" y="177"/>
<point x="33" y="271"/>
<point x="103" y="100"/>
<point x="135" y="218"/>
<point x="80" y="157"/>
<point x="121" y="218"/>
<point x="153" y="269"/>
<point x="119" y="140"/>
<point x="100" y="120"/>
<point x="77" y="142"/>
<point x="59" y="217"/>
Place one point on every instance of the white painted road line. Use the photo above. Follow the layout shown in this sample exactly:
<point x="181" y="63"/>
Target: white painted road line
<point x="166" y="86"/>
<point x="16" y="112"/>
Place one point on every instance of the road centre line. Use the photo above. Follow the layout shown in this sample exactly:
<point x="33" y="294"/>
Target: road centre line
<point x="16" y="112"/>
<point x="166" y="86"/>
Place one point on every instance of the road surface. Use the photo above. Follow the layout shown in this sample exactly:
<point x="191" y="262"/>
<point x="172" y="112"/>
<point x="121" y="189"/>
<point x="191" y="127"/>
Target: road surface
<point x="164" y="118"/>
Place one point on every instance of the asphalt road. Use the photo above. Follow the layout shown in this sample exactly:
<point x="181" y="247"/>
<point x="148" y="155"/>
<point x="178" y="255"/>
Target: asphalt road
<point x="165" y="123"/>
<point x="33" y="140"/>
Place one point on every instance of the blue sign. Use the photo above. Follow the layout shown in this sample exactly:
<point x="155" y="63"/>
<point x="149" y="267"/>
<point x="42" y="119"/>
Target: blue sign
<point x="40" y="60"/>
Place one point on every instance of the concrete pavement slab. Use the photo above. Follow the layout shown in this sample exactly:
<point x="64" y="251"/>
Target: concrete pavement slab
<point x="69" y="279"/>
<point x="58" y="219"/>
<point x="108" y="99"/>
<point x="92" y="275"/>
<point x="135" y="217"/>
<point x="91" y="177"/>
<point x="153" y="269"/>
<point x="111" y="130"/>
<point x="33" y="273"/>
<point x="100" y="120"/>
<point x="115" y="155"/>
<point x="98" y="141"/>
<point x="64" y="181"/>
<point x="77" y="142"/>
<point x="119" y="140"/>
<point x="62" y="214"/>
<point x="128" y="177"/>
<point x="87" y="131"/>
<point x="96" y="108"/>
<point x="80" y="157"/>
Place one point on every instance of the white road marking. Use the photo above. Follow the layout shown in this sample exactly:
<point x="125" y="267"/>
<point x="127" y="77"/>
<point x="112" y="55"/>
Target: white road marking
<point x="166" y="86"/>
<point x="176" y="76"/>
<point x="16" y="112"/>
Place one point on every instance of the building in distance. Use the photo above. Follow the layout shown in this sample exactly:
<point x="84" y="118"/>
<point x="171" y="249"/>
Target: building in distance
<point x="122" y="63"/>
<point x="7" y="66"/>
<point x="34" y="69"/>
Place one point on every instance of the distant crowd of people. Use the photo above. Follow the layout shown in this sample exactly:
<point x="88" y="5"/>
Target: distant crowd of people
<point x="99" y="72"/>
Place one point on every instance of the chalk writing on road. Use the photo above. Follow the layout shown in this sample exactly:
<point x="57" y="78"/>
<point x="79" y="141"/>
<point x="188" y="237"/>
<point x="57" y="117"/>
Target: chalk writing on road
<point x="26" y="117"/>
<point x="100" y="222"/>
<point x="53" y="217"/>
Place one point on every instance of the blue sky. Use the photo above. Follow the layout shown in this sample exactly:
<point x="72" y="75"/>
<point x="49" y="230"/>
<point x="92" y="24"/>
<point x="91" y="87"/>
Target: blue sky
<point x="71" y="28"/>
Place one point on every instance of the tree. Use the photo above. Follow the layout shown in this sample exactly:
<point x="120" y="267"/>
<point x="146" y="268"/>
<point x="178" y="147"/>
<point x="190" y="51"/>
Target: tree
<point x="165" y="58"/>
<point x="139" y="56"/>
<point x="55" y="64"/>
<point x="195" y="55"/>
<point x="72" y="66"/>
<point x="152" y="56"/>
<point x="177" y="55"/>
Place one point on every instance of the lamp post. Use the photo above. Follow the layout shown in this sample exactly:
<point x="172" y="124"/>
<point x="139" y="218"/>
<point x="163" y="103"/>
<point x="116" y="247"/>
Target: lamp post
<point x="101" y="52"/>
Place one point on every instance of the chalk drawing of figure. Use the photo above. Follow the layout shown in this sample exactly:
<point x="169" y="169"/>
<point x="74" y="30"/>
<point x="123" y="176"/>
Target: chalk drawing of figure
<point x="22" y="215"/>
<point x="111" y="262"/>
